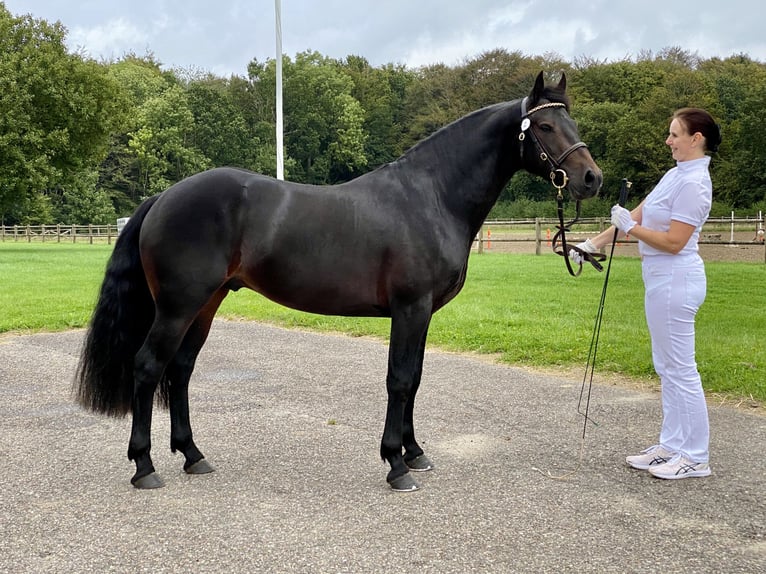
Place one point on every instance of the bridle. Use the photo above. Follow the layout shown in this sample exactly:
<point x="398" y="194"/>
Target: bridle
<point x="558" y="175"/>
<point x="559" y="179"/>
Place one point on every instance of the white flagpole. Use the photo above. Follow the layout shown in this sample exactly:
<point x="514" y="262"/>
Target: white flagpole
<point x="280" y="124"/>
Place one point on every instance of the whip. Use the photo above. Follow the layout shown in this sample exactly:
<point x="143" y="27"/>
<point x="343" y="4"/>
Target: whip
<point x="590" y="364"/>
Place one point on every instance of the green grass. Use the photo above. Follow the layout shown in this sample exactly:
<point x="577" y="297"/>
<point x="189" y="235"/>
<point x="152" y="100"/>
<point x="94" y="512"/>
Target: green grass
<point x="49" y="286"/>
<point x="523" y="309"/>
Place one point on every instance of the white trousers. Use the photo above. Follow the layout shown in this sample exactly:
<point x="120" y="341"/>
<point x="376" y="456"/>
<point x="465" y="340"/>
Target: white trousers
<point x="675" y="289"/>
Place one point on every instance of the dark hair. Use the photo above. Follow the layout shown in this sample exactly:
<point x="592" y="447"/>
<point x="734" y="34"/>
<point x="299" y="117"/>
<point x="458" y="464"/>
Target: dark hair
<point x="698" y="120"/>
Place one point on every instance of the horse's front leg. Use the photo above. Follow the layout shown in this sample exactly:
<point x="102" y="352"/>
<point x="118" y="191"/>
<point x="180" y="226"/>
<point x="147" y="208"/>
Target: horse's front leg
<point x="414" y="457"/>
<point x="409" y="328"/>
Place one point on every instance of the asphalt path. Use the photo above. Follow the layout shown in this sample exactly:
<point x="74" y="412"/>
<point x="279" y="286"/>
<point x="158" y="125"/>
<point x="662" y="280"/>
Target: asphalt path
<point x="292" y="422"/>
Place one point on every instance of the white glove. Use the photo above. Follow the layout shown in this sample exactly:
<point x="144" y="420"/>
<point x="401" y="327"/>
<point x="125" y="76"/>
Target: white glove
<point x="621" y="219"/>
<point x="586" y="245"/>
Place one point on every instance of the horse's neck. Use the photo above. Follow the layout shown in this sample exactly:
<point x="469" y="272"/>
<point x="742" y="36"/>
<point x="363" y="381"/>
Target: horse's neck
<point x="470" y="161"/>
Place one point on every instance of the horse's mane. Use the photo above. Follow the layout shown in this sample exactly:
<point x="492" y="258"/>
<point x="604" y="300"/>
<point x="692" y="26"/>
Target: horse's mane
<point x="446" y="130"/>
<point x="552" y="93"/>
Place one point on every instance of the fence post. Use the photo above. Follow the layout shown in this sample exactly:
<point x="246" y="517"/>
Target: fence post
<point x="29" y="234"/>
<point x="760" y="224"/>
<point x="481" y="239"/>
<point x="538" y="236"/>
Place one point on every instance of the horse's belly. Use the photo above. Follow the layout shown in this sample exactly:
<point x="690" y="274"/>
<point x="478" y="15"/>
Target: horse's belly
<point x="309" y="286"/>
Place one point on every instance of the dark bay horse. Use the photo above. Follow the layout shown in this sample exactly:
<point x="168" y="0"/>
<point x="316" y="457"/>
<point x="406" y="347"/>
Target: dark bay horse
<point x="391" y="243"/>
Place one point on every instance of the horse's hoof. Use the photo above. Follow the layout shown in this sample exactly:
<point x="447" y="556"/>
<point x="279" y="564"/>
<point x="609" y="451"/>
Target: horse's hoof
<point x="200" y="467"/>
<point x="404" y="483"/>
<point x="420" y="464"/>
<point x="149" y="481"/>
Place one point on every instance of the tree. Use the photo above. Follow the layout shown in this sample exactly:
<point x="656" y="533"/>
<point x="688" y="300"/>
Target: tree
<point x="497" y="76"/>
<point x="623" y="82"/>
<point x="162" y="144"/>
<point x="323" y="121"/>
<point x="220" y="131"/>
<point x="738" y="90"/>
<point x="143" y="128"/>
<point x="83" y="202"/>
<point x="140" y="78"/>
<point x="58" y="112"/>
<point x="380" y="92"/>
<point x="431" y="103"/>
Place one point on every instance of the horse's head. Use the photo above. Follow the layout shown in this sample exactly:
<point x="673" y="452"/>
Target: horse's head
<point x="550" y="142"/>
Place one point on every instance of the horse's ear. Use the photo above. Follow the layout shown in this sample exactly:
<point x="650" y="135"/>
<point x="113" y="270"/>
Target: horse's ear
<point x="537" y="91"/>
<point x="563" y="82"/>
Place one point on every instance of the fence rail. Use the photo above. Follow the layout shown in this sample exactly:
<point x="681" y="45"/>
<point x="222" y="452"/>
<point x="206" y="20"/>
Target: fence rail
<point x="716" y="231"/>
<point x="59" y="233"/>
<point x="733" y="232"/>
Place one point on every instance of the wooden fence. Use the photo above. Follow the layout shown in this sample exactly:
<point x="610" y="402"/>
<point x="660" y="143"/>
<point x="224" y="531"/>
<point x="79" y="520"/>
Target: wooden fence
<point x="719" y="231"/>
<point x="59" y="233"/>
<point x="730" y="232"/>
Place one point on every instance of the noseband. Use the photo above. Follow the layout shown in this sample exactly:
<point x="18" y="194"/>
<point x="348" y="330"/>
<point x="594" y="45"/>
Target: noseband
<point x="559" y="180"/>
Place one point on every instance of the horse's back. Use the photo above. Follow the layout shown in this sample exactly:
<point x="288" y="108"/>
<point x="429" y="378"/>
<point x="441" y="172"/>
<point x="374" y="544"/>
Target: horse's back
<point x="343" y="250"/>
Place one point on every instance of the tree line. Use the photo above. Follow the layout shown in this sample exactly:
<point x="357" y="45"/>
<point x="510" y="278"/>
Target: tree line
<point x="84" y="141"/>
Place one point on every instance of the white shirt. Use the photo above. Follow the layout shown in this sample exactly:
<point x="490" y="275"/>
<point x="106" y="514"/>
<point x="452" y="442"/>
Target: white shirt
<point x="685" y="194"/>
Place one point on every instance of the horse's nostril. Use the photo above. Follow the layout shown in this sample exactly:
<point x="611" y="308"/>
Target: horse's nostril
<point x="593" y="179"/>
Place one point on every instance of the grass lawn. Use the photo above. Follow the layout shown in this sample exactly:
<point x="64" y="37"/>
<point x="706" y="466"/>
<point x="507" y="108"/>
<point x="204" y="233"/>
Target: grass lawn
<point x="523" y="309"/>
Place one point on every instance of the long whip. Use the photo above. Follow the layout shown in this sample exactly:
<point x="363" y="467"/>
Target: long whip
<point x="590" y="364"/>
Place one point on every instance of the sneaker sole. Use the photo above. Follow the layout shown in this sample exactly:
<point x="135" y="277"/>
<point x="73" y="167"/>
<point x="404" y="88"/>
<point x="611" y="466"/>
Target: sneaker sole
<point x="691" y="474"/>
<point x="645" y="466"/>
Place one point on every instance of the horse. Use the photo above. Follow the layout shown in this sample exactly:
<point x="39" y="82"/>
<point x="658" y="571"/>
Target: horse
<point x="392" y="243"/>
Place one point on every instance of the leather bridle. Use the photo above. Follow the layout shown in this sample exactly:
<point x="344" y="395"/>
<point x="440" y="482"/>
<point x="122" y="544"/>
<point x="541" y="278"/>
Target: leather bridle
<point x="559" y="179"/>
<point x="558" y="175"/>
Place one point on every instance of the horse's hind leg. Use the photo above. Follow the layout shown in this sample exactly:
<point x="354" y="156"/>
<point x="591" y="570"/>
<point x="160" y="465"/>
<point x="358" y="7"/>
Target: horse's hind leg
<point x="158" y="349"/>
<point x="179" y="373"/>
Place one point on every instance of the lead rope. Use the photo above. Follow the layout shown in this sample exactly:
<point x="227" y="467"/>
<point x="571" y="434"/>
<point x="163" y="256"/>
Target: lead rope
<point x="590" y="364"/>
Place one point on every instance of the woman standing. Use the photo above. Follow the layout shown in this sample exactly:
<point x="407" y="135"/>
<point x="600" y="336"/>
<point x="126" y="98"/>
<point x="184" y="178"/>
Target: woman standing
<point x="667" y="225"/>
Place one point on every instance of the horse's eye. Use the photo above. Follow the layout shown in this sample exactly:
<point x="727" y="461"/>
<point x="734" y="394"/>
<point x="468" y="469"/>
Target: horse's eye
<point x="546" y="128"/>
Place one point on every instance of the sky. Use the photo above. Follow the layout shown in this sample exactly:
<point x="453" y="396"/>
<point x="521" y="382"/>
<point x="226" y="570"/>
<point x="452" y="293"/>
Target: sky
<point x="223" y="36"/>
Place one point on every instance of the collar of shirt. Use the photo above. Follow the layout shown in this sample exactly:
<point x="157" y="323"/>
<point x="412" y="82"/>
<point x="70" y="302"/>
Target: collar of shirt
<point x="693" y="164"/>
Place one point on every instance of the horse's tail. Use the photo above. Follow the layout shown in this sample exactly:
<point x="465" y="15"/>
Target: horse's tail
<point x="120" y="322"/>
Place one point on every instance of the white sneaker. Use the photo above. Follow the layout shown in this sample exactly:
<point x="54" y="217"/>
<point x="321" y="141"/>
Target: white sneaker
<point x="652" y="456"/>
<point x="680" y="467"/>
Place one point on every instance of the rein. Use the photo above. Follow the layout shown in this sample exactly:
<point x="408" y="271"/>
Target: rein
<point x="559" y="180"/>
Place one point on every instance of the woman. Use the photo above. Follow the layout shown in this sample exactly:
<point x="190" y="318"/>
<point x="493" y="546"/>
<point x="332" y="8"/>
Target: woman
<point x="667" y="225"/>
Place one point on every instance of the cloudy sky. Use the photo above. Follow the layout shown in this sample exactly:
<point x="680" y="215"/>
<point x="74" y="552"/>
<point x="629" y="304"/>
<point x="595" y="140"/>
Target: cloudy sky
<point x="223" y="36"/>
